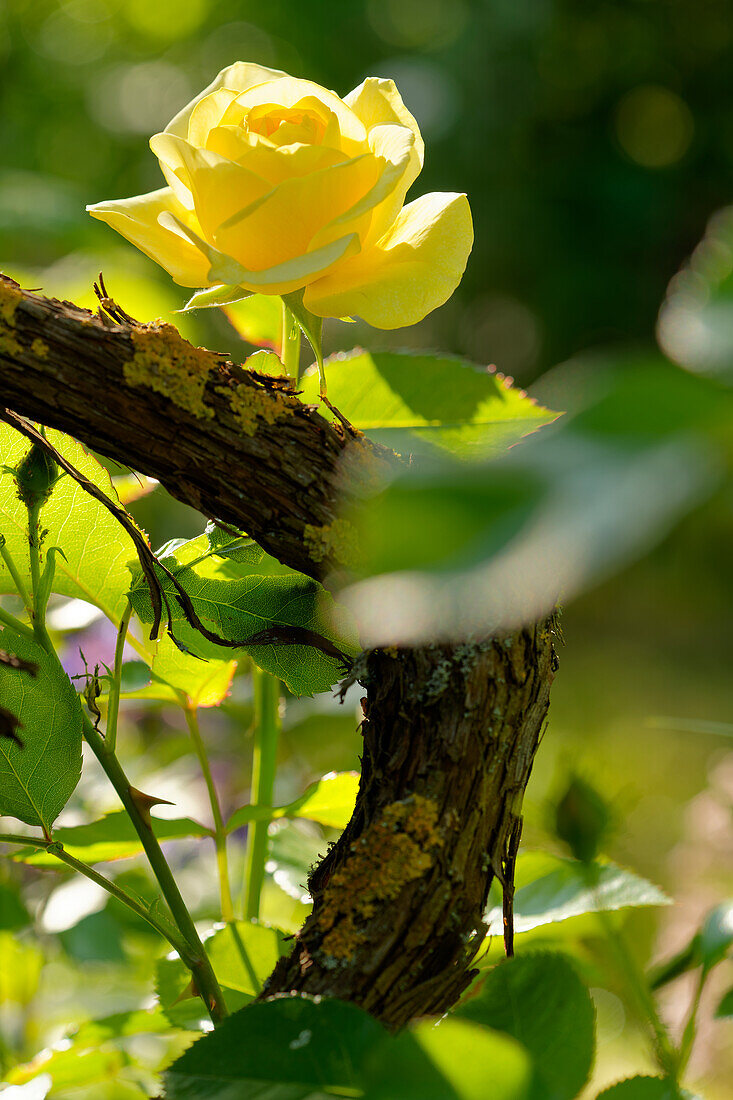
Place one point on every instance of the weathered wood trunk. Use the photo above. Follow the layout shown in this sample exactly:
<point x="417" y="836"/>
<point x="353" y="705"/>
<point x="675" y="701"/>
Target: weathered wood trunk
<point x="450" y="732"/>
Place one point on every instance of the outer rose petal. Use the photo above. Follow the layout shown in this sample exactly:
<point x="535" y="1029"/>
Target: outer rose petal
<point x="240" y="76"/>
<point x="280" y="278"/>
<point x="377" y="102"/>
<point x="219" y="187"/>
<point x="137" y="220"/>
<point x="412" y="270"/>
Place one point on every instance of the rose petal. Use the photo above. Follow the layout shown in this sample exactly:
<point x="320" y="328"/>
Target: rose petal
<point x="287" y="91"/>
<point x="393" y="146"/>
<point x="207" y="113"/>
<point x="277" y="279"/>
<point x="266" y="160"/>
<point x="285" y="223"/>
<point x="219" y="187"/>
<point x="239" y="76"/>
<point x="137" y="220"/>
<point x="412" y="270"/>
<point x="377" y="102"/>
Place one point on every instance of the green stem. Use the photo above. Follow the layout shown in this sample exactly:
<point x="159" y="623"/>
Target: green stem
<point x="56" y="849"/>
<point x="638" y="988"/>
<point x="113" y="702"/>
<point x="220" y="836"/>
<point x="290" y="343"/>
<point x="688" y="1035"/>
<point x="15" y="624"/>
<point x="15" y="574"/>
<point x="38" y="609"/>
<point x="198" y="962"/>
<point x="264" y="762"/>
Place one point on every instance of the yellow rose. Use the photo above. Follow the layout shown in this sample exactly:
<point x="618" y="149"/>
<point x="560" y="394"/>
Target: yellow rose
<point x="277" y="185"/>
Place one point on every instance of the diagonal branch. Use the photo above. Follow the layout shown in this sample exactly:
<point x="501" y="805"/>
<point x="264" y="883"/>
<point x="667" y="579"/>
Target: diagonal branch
<point x="235" y="445"/>
<point x="450" y="732"/>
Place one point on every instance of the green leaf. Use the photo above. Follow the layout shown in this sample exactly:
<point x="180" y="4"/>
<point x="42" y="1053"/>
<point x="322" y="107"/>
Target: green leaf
<point x="291" y="1048"/>
<point x="405" y="397"/>
<point x="120" y="1025"/>
<point x="95" y="938"/>
<point x="214" y="296"/>
<point x="111" y="837"/>
<point x="294" y="1048"/>
<point x="709" y="945"/>
<point x="265" y="362"/>
<point x="485" y="546"/>
<point x="37" y="780"/>
<point x="642" y="1088"/>
<point x="716" y="935"/>
<point x="13" y="913"/>
<point x="293" y="850"/>
<point x="457" y="1060"/>
<point x="180" y="1006"/>
<point x="96" y="547"/>
<point x="70" y="1068"/>
<point x="540" y="1001"/>
<point x="203" y="683"/>
<point x="20" y="973"/>
<point x="243" y="955"/>
<point x="551" y="888"/>
<point x="329" y="801"/>
<point x="238" y="601"/>
<point x="257" y="319"/>
<point x="239" y="548"/>
<point x="725" y="1006"/>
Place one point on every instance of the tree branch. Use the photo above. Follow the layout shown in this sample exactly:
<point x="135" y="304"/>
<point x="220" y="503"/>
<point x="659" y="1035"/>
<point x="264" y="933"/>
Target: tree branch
<point x="450" y="732"/>
<point x="235" y="445"/>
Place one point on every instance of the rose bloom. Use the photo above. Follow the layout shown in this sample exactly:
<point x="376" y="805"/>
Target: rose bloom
<point x="277" y="185"/>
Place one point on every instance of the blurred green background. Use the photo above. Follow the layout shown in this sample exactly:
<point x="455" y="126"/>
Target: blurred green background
<point x="594" y="140"/>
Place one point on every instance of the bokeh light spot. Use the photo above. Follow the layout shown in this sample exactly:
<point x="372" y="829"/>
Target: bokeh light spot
<point x="139" y="98"/>
<point x="418" y="24"/>
<point x="654" y="127"/>
<point x="166" y="19"/>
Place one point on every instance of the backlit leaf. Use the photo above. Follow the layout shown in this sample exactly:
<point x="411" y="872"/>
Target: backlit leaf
<point x="111" y="837"/>
<point x="37" y="779"/>
<point x="237" y="600"/>
<point x="329" y="801"/>
<point x="257" y="319"/>
<point x="551" y="888"/>
<point x="96" y="548"/>
<point x="405" y="397"/>
<point x="540" y="1000"/>
<point x="242" y="954"/>
<point x="642" y="1088"/>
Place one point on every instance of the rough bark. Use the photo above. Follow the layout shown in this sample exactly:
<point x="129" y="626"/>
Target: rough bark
<point x="450" y="732"/>
<point x="235" y="445"/>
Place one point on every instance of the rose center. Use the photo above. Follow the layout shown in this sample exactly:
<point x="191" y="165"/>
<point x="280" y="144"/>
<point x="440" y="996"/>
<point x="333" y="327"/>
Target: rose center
<point x="292" y="125"/>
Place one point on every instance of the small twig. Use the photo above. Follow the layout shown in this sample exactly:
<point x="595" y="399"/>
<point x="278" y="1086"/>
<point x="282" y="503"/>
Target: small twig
<point x="508" y="867"/>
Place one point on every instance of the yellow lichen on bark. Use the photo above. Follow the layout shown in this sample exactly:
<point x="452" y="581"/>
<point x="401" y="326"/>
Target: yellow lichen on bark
<point x="338" y="540"/>
<point x="39" y="348"/>
<point x="250" y="404"/>
<point x="396" y="849"/>
<point x="10" y="297"/>
<point x="169" y="365"/>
